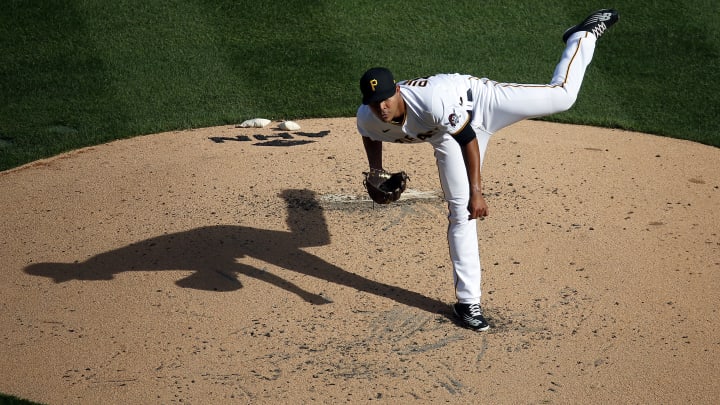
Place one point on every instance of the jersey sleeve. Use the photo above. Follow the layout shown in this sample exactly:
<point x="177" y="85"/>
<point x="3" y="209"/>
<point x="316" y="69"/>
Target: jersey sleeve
<point x="450" y="112"/>
<point x="363" y="121"/>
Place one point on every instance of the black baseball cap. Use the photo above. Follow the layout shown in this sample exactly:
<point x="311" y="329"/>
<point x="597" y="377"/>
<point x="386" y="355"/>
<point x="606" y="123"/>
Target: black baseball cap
<point x="377" y="84"/>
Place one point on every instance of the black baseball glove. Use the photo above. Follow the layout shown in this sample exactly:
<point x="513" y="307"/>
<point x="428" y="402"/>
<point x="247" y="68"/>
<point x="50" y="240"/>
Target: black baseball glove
<point x="384" y="187"/>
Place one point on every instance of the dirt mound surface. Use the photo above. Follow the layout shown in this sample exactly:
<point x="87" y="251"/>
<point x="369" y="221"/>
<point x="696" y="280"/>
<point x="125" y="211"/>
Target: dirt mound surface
<point x="247" y="265"/>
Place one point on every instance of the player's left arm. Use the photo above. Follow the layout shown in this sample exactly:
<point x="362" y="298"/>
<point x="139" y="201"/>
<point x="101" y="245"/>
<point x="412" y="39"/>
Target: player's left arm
<point x="373" y="150"/>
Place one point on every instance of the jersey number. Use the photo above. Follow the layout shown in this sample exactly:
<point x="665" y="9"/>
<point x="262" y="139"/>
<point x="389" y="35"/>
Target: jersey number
<point x="419" y="82"/>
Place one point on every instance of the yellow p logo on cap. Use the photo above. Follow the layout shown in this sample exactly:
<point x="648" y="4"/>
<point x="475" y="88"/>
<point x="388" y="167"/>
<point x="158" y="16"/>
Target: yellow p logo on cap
<point x="373" y="84"/>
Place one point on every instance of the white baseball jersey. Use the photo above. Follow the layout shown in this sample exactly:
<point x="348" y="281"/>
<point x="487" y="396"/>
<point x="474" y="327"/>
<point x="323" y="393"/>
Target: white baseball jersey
<point x="436" y="105"/>
<point x="440" y="106"/>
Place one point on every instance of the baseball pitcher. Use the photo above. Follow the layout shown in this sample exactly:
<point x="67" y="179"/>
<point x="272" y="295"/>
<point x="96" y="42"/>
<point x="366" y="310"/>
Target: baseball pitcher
<point x="457" y="114"/>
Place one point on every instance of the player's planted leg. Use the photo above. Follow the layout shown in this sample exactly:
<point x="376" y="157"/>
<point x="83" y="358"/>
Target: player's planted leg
<point x="471" y="316"/>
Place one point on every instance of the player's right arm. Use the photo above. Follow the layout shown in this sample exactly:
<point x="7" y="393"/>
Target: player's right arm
<point x="477" y="207"/>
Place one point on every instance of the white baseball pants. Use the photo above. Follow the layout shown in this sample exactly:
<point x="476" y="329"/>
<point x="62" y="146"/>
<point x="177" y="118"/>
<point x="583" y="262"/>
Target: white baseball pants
<point x="496" y="106"/>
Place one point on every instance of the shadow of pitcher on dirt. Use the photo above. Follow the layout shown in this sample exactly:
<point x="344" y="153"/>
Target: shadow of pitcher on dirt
<point x="211" y="252"/>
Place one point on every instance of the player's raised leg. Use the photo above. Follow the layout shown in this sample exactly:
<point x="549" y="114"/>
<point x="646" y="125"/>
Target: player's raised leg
<point x="507" y="103"/>
<point x="596" y="23"/>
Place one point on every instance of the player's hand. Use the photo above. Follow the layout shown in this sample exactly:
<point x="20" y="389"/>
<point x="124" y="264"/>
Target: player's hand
<point x="477" y="206"/>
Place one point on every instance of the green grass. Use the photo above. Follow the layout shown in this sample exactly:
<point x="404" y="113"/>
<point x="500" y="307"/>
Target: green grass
<point x="79" y="73"/>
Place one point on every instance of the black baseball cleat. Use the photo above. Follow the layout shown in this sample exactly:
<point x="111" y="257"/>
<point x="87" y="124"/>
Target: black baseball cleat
<point x="596" y="23"/>
<point x="471" y="316"/>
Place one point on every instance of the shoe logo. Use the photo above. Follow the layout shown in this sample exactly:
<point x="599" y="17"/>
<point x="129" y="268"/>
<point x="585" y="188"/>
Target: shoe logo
<point x="471" y="321"/>
<point x="605" y="17"/>
<point x="599" y="18"/>
<point x="385" y="131"/>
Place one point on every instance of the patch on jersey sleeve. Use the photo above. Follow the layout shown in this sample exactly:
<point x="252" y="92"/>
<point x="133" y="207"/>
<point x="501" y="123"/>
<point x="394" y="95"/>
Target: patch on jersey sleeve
<point x="453" y="119"/>
<point x="457" y="119"/>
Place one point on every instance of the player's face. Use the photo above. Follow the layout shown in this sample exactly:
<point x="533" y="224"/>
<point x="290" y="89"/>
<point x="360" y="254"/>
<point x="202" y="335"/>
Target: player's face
<point x="388" y="109"/>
